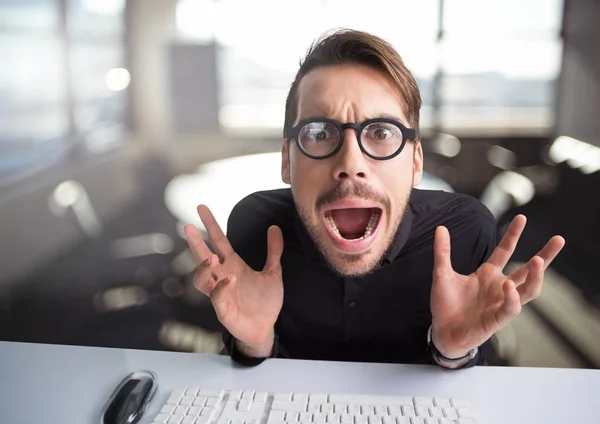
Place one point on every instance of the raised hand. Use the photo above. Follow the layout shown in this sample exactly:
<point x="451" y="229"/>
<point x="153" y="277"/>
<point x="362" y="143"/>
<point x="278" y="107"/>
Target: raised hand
<point x="468" y="309"/>
<point x="247" y="302"/>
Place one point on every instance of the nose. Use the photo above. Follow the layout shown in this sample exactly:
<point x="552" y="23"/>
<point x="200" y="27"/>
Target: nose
<point x="351" y="162"/>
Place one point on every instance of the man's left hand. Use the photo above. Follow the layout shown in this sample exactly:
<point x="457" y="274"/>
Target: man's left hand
<point x="468" y="309"/>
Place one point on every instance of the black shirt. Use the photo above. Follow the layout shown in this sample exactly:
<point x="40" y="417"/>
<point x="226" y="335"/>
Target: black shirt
<point x="382" y="317"/>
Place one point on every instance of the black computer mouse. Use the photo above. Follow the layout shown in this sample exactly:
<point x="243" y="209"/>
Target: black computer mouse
<point x="127" y="403"/>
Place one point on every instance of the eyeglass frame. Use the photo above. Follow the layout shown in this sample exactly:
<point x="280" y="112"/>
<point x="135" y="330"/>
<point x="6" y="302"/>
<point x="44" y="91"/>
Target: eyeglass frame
<point x="294" y="132"/>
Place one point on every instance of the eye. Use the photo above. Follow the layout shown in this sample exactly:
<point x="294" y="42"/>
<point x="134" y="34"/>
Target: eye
<point x="318" y="132"/>
<point x="382" y="131"/>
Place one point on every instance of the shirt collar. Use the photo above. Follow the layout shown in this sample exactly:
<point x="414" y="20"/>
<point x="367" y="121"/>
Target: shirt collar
<point x="311" y="251"/>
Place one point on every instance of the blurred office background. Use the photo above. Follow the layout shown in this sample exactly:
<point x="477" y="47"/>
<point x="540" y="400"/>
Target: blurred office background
<point x="117" y="117"/>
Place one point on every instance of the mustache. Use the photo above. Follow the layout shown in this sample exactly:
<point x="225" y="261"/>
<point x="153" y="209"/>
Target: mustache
<point x="362" y="191"/>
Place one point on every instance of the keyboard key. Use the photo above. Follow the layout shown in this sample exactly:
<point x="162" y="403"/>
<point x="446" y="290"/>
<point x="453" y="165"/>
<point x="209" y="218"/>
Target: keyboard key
<point x="261" y="396"/>
<point x="370" y="399"/>
<point x="441" y="402"/>
<point x="321" y="398"/>
<point x="361" y="419"/>
<point x="289" y="406"/>
<point x="181" y="410"/>
<point x="349" y="419"/>
<point x="161" y="418"/>
<point x="436" y="412"/>
<point x="431" y="420"/>
<point x="374" y="419"/>
<point x="248" y="394"/>
<point x="192" y="391"/>
<point x="424" y="401"/>
<point x="202" y="420"/>
<point x="402" y="420"/>
<point x="381" y="410"/>
<point x="195" y="411"/>
<point x="187" y="400"/>
<point x="408" y="411"/>
<point x="422" y="411"/>
<point x="283" y="397"/>
<point x="245" y="405"/>
<point x="300" y="397"/>
<point x="276" y="417"/>
<point x="450" y="413"/>
<point x="167" y="409"/>
<point x="388" y="419"/>
<point x="340" y="408"/>
<point x="189" y="420"/>
<point x="235" y="395"/>
<point x="417" y="420"/>
<point x="327" y="407"/>
<point x="319" y="417"/>
<point x="217" y="393"/>
<point x="175" y="419"/>
<point x="200" y="401"/>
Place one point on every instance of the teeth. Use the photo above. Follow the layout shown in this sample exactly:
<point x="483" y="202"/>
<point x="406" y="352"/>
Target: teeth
<point x="369" y="230"/>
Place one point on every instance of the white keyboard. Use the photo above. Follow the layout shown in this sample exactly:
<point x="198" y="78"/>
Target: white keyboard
<point x="220" y="406"/>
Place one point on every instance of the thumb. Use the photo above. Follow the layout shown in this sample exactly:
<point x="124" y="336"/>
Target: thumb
<point x="274" y="249"/>
<point x="442" y="263"/>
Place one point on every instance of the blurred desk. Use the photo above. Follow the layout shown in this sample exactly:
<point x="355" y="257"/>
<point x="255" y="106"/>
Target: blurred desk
<point x="222" y="184"/>
<point x="70" y="384"/>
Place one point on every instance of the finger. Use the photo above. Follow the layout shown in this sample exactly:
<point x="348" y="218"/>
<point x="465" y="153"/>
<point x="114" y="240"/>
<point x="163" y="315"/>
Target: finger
<point x="551" y="250"/>
<point x="275" y="249"/>
<point x="548" y="253"/>
<point x="207" y="274"/>
<point x="215" y="233"/>
<point x="221" y="297"/>
<point x="511" y="307"/>
<point x="442" y="263"/>
<point x="199" y="248"/>
<point x="507" y="245"/>
<point x="532" y="287"/>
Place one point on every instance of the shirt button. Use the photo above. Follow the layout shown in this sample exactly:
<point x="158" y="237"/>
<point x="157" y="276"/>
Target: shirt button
<point x="352" y="303"/>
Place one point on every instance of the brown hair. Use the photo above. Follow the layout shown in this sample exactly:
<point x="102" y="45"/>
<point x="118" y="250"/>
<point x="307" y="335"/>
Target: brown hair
<point x="351" y="46"/>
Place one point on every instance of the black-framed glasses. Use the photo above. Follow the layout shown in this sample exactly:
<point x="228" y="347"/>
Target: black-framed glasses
<point x="378" y="138"/>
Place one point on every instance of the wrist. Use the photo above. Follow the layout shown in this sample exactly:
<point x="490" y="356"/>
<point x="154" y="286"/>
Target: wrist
<point x="445" y="344"/>
<point x="261" y="349"/>
<point x="448" y="354"/>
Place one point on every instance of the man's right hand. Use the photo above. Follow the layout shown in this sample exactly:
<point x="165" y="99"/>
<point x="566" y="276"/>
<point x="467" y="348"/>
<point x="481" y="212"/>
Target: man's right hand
<point x="247" y="302"/>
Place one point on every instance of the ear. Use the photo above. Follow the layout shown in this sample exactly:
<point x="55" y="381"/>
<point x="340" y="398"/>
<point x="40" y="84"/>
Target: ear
<point x="285" y="162"/>
<point x="417" y="163"/>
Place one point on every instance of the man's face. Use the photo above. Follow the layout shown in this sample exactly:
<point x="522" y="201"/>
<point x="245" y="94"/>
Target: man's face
<point x="351" y="204"/>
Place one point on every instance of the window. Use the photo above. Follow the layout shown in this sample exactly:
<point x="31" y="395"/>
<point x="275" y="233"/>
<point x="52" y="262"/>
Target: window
<point x="33" y="114"/>
<point x="492" y="70"/>
<point x="40" y="77"/>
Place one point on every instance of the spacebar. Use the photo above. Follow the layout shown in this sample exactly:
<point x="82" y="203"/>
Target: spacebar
<point x="370" y="400"/>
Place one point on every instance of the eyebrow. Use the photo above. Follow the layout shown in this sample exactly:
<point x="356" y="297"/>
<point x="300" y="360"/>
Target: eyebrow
<point x="381" y="115"/>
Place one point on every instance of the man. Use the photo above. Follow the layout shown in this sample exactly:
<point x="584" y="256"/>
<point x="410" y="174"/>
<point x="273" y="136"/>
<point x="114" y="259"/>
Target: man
<point x="352" y="262"/>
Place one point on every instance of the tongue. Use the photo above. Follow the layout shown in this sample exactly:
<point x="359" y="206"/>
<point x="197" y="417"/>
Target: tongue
<point x="351" y="221"/>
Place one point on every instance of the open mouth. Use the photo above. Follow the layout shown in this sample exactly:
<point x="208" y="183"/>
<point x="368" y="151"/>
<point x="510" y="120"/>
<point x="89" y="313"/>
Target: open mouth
<point x="352" y="229"/>
<point x="353" y="224"/>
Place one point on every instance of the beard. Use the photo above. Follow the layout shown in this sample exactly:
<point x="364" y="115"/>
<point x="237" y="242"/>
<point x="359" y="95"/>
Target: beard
<point x="361" y="264"/>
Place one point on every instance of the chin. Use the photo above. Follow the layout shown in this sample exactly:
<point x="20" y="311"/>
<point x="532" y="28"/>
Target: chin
<point x="357" y="256"/>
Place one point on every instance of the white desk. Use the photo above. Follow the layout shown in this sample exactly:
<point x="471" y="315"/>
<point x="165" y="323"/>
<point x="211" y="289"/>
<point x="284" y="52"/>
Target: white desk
<point x="68" y="385"/>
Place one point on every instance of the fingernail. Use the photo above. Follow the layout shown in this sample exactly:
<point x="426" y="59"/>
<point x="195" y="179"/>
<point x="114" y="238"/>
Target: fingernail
<point x="207" y="261"/>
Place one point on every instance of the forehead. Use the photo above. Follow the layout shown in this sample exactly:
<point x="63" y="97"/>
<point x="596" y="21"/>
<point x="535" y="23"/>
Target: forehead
<point x="349" y="93"/>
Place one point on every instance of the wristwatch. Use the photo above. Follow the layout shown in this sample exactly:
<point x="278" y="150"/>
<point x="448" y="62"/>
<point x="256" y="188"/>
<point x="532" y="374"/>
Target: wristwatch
<point x="438" y="355"/>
